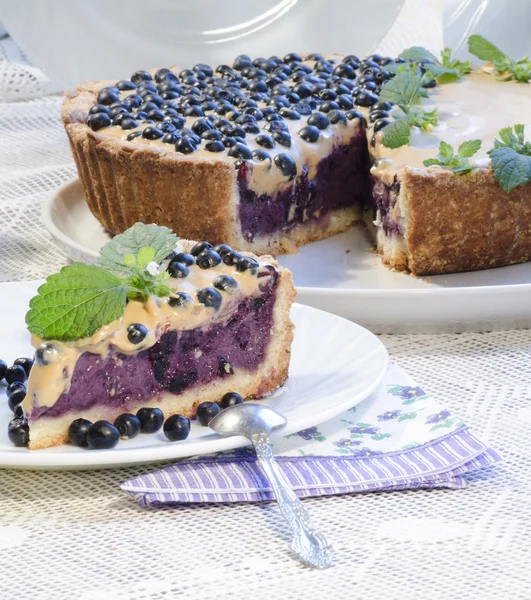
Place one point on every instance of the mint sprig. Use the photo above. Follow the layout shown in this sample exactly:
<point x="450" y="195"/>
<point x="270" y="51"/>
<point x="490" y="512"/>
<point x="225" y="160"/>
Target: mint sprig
<point x="457" y="162"/>
<point x="140" y="235"/>
<point x="405" y="89"/>
<point x="74" y="303"/>
<point x="444" y="69"/>
<point x="507" y="67"/>
<point x="511" y="158"/>
<point x="397" y="133"/>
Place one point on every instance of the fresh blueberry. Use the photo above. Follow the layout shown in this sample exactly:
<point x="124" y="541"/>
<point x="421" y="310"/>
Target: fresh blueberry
<point x="77" y="432"/>
<point x="128" y="426"/>
<point x="318" y="120"/>
<point x="98" y="121"/>
<point x="374" y="115"/>
<point x="355" y="114"/>
<point x="194" y="111"/>
<point x="240" y="151"/>
<point x="345" y="101"/>
<point x="261" y="156"/>
<point x="215" y="146"/>
<point x="225" y="283"/>
<point x="210" y="297"/>
<point x="286" y="165"/>
<point x="177" y="428"/>
<point x="178" y="270"/>
<point x="3" y="368"/>
<point x="222" y="249"/>
<point x="206" y="411"/>
<point x="102" y="435"/>
<point x="345" y="70"/>
<point x="231" y="258"/>
<point x="290" y="114"/>
<point x="328" y="105"/>
<point x="171" y="137"/>
<point x="18" y="412"/>
<point x="136" y="332"/>
<point x="128" y="123"/>
<point x="337" y="116"/>
<point x="151" y="419"/>
<point x="108" y="95"/>
<point x="46" y="353"/>
<point x="133" y="135"/>
<point x="152" y="133"/>
<point x="15" y="373"/>
<point x="283" y="138"/>
<point x="310" y="133"/>
<point x="303" y="108"/>
<point x="179" y="299"/>
<point x="241" y="62"/>
<point x="380" y="124"/>
<point x="18" y="432"/>
<point x="292" y="57"/>
<point x="201" y="125"/>
<point x="245" y="263"/>
<point x="16" y="398"/>
<point x="200" y="247"/>
<point x="366" y="98"/>
<point x="184" y="258"/>
<point x="139" y="77"/>
<point x="382" y="105"/>
<point x="13" y="387"/>
<point x="99" y="108"/>
<point x="264" y="140"/>
<point x="230" y="399"/>
<point x="185" y="146"/>
<point x="208" y="259"/>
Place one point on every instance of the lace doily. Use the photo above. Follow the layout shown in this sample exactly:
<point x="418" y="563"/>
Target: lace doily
<point x="67" y="535"/>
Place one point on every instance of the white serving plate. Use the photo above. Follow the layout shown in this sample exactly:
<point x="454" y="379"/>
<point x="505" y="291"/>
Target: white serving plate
<point x="335" y="364"/>
<point x="342" y="275"/>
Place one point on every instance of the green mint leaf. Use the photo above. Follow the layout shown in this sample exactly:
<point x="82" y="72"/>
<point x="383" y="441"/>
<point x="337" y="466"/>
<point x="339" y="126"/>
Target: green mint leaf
<point x="396" y="134"/>
<point x="469" y="148"/>
<point x="511" y="169"/>
<point x="404" y="89"/>
<point x="462" y="67"/>
<point x="482" y="48"/>
<point x="161" y="239"/>
<point x="129" y="260"/>
<point x="457" y="163"/>
<point x="75" y="303"/>
<point x="416" y="53"/>
<point x="146" y="255"/>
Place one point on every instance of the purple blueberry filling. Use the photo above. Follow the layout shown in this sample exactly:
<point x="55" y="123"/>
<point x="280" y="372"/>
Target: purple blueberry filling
<point x="341" y="181"/>
<point x="179" y="360"/>
<point x="384" y="198"/>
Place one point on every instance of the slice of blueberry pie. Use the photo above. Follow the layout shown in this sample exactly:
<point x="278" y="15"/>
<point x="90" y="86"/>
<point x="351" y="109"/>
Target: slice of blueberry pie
<point x="143" y="332"/>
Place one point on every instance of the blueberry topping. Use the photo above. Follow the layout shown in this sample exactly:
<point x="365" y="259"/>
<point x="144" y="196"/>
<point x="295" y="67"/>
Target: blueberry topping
<point x="206" y="411"/>
<point x="303" y="108"/>
<point x="264" y="140"/>
<point x="215" y="146"/>
<point x="128" y="123"/>
<point x="374" y="115"/>
<point x="98" y="121"/>
<point x="283" y="138"/>
<point x="366" y="98"/>
<point x="151" y="419"/>
<point x="328" y="105"/>
<point x="337" y="116"/>
<point x="208" y="259"/>
<point x="128" y="426"/>
<point x="210" y="297"/>
<point x="383" y="106"/>
<point x="225" y="283"/>
<point x="184" y="258"/>
<point x="25" y="363"/>
<point x="139" y="77"/>
<point x="200" y="247"/>
<point x="222" y="249"/>
<point x="241" y="62"/>
<point x="211" y="134"/>
<point x="201" y="125"/>
<point x="261" y="156"/>
<point x="77" y="432"/>
<point x="18" y="432"/>
<point x="152" y="133"/>
<point x="102" y="435"/>
<point x="292" y="57"/>
<point x="231" y="258"/>
<point x="240" y="151"/>
<point x="185" y="146"/>
<point x="244" y="263"/>
<point x="230" y="399"/>
<point x="177" y="428"/>
<point x="16" y="398"/>
<point x="380" y="124"/>
<point x="15" y="373"/>
<point x="290" y="114"/>
<point x="286" y="165"/>
<point x="133" y="135"/>
<point x="179" y="299"/>
<point x="99" y="108"/>
<point x="108" y="95"/>
<point x="171" y="138"/>
<point x="46" y="354"/>
<point x="136" y="333"/>
<point x="355" y="114"/>
<point x="178" y="270"/>
<point x="310" y="133"/>
<point x="318" y="120"/>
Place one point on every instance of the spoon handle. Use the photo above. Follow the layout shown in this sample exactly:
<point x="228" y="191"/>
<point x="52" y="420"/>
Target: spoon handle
<point x="310" y="546"/>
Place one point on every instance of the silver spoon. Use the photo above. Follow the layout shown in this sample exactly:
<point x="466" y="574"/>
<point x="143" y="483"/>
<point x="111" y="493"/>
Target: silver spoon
<point x="256" y="422"/>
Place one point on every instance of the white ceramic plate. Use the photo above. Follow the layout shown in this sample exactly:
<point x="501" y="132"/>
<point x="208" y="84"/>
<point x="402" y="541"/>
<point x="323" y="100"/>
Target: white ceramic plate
<point x="335" y="364"/>
<point x="342" y="275"/>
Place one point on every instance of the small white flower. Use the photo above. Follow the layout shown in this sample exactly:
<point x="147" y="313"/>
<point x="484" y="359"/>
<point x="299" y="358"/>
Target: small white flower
<point x="152" y="268"/>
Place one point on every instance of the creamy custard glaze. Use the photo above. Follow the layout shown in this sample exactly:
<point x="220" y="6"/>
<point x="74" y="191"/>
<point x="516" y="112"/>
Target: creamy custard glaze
<point x="48" y="382"/>
<point x="476" y="106"/>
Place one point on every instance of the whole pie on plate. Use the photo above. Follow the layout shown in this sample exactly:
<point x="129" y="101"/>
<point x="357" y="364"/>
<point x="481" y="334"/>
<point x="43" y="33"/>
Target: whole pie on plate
<point x="273" y="153"/>
<point x="203" y="323"/>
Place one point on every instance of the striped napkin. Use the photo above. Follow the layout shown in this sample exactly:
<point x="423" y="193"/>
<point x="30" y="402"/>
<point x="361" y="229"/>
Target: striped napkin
<point x="398" y="438"/>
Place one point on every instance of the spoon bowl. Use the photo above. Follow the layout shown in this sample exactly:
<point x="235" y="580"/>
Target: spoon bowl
<point x="247" y="419"/>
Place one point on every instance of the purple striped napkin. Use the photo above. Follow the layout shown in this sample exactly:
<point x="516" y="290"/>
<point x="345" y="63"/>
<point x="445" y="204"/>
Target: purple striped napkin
<point x="398" y="438"/>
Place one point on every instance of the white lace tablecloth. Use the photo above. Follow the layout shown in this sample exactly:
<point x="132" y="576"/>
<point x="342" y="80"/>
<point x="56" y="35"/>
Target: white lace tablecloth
<point x="75" y="535"/>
